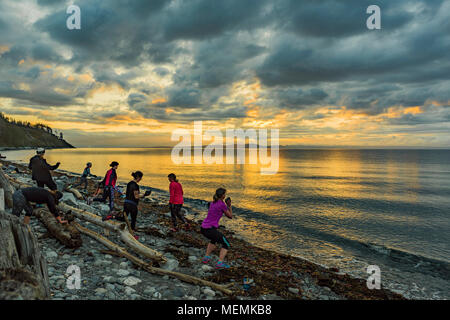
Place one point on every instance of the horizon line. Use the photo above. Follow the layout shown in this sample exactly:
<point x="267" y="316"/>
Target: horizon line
<point x="286" y="147"/>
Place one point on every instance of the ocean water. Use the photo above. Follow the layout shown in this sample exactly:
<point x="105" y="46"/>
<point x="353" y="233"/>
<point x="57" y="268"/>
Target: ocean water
<point x="340" y="208"/>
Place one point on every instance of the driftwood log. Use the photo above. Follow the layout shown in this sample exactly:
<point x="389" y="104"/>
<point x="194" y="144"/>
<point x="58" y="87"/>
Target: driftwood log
<point x="67" y="234"/>
<point x="147" y="267"/>
<point x="120" y="229"/>
<point x="23" y="269"/>
<point x="8" y="189"/>
<point x="125" y="217"/>
<point x="76" y="193"/>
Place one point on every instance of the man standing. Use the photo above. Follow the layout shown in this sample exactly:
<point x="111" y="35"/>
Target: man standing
<point x="22" y="197"/>
<point x="41" y="170"/>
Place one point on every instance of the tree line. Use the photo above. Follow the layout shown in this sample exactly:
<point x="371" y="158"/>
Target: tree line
<point x="26" y="124"/>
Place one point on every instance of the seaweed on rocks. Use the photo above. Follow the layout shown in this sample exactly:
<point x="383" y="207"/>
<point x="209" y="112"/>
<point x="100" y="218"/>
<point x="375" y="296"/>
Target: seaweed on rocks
<point x="182" y="256"/>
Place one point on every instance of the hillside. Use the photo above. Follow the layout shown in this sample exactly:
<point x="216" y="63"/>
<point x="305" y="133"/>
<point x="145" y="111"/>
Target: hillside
<point x="13" y="135"/>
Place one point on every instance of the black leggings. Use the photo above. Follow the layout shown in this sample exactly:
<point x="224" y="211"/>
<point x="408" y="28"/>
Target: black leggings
<point x="175" y="211"/>
<point x="216" y="237"/>
<point x="108" y="192"/>
<point x="132" y="210"/>
<point x="49" y="183"/>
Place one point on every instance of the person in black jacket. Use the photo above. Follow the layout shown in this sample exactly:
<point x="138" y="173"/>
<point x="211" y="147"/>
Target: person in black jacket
<point x="41" y="170"/>
<point x="22" y="197"/>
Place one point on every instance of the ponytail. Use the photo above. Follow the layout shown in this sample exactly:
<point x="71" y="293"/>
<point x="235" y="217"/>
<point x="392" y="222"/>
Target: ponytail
<point x="219" y="194"/>
<point x="137" y="174"/>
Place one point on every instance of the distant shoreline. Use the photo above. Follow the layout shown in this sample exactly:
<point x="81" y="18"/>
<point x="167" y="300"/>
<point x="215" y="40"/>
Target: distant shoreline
<point x="31" y="148"/>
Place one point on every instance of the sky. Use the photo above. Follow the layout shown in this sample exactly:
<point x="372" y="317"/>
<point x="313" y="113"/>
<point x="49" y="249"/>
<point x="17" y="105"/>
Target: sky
<point x="138" y="70"/>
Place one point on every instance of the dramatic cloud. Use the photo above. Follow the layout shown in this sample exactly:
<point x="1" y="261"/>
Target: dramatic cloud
<point x="310" y="68"/>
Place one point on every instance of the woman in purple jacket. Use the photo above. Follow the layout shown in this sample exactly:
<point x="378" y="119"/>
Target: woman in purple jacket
<point x="210" y="225"/>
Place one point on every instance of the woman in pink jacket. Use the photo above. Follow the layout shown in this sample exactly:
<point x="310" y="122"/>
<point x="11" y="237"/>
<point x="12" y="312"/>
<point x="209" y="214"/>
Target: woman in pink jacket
<point x="176" y="202"/>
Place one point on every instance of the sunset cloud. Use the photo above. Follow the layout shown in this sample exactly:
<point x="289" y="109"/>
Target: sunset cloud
<point x="310" y="68"/>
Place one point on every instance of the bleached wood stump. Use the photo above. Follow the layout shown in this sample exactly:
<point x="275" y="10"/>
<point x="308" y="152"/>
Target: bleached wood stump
<point x="23" y="269"/>
<point x="8" y="189"/>
<point x="2" y="200"/>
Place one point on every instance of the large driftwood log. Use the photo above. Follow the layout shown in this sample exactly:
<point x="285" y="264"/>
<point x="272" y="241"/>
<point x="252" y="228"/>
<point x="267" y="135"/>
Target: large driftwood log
<point x="67" y="234"/>
<point x="7" y="187"/>
<point x="119" y="228"/>
<point x="23" y="270"/>
<point x="76" y="193"/>
<point x="147" y="267"/>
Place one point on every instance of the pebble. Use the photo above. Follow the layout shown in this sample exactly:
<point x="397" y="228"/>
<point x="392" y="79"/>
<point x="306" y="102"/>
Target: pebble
<point x="109" y="279"/>
<point x="110" y="286"/>
<point x="293" y="290"/>
<point x="132" y="281"/>
<point x="100" y="291"/>
<point x="206" y="268"/>
<point x="149" y="290"/>
<point x="209" y="292"/>
<point x="178" y="292"/>
<point x="51" y="255"/>
<point x="111" y="296"/>
<point x="102" y="263"/>
<point x="157" y="295"/>
<point x="123" y="273"/>
<point x="170" y="265"/>
<point x="129" y="291"/>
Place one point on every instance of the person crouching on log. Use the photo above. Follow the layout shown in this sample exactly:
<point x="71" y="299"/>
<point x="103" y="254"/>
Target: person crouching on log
<point x="176" y="202"/>
<point x="211" y="223"/>
<point x="110" y="187"/>
<point x="132" y="198"/>
<point x="40" y="170"/>
<point x="23" y="197"/>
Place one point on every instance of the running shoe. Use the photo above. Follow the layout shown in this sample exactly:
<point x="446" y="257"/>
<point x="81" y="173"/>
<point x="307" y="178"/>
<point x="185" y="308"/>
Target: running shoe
<point x="173" y="229"/>
<point x="108" y="217"/>
<point x="206" y="259"/>
<point x="222" y="265"/>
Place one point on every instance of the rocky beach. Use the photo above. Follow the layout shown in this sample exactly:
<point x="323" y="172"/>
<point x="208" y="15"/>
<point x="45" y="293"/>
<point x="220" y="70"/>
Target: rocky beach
<point x="106" y="276"/>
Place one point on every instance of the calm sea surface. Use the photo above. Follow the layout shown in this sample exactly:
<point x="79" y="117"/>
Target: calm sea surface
<point x="343" y="208"/>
